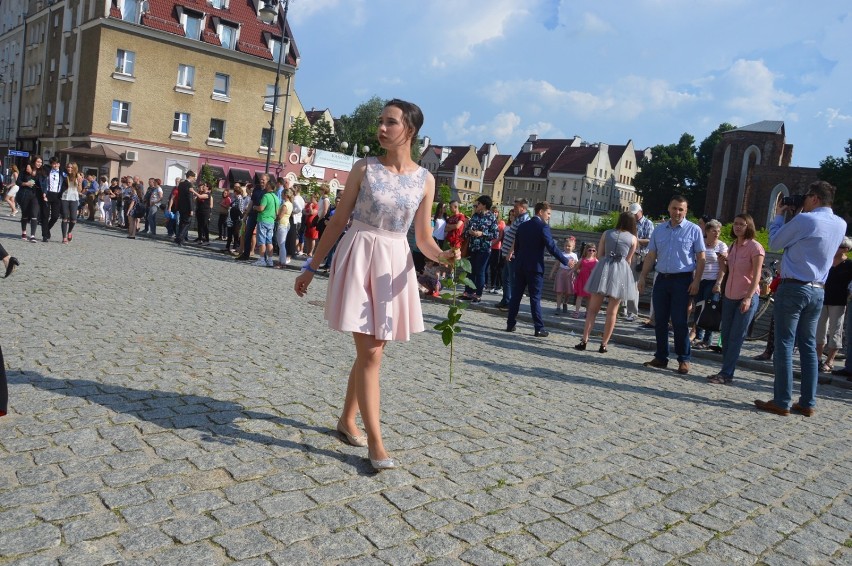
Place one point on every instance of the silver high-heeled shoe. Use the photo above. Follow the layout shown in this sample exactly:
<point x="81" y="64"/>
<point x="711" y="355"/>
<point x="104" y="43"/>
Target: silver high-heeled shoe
<point x="359" y="441"/>
<point x="386" y="464"/>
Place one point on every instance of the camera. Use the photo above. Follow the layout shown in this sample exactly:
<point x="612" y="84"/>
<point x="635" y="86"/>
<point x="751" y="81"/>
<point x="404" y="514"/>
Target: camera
<point x="796" y="201"/>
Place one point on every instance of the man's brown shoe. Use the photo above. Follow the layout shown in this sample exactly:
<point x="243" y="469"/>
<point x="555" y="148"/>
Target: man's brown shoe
<point x="683" y="368"/>
<point x="655" y="363"/>
<point x="806" y="411"/>
<point x="771" y="407"/>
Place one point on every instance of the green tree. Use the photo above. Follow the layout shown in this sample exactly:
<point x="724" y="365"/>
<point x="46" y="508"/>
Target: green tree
<point x="360" y="127"/>
<point x="324" y="137"/>
<point x="671" y="170"/>
<point x="838" y="172"/>
<point x="301" y="133"/>
<point x="206" y="175"/>
<point x="445" y="193"/>
<point x="705" y="164"/>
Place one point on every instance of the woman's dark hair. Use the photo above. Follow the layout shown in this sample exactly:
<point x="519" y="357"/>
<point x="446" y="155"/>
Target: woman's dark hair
<point x="439" y="211"/>
<point x="750" y="230"/>
<point x="485" y="200"/>
<point x="412" y="116"/>
<point x="626" y="223"/>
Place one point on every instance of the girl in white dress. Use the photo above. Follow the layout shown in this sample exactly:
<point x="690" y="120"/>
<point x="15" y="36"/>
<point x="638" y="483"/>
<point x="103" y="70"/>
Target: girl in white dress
<point x="372" y="287"/>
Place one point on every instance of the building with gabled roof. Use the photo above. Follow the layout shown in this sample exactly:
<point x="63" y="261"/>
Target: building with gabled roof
<point x="167" y="85"/>
<point x="573" y="175"/>
<point x="751" y="168"/>
<point x="494" y="177"/>
<point x="458" y="167"/>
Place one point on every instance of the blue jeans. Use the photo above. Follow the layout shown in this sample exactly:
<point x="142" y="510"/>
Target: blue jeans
<point x="478" y="265"/>
<point x="797" y="309"/>
<point x="508" y="280"/>
<point x="671" y="300"/>
<point x="734" y="329"/>
<point x="532" y="282"/>
<point x="152" y="219"/>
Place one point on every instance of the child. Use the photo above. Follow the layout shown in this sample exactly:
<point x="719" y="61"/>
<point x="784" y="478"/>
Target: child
<point x="584" y="270"/>
<point x="565" y="276"/>
<point x="430" y="280"/>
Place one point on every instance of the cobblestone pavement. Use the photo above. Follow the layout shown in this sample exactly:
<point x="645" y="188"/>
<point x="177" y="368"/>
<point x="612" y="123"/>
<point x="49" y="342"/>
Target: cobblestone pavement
<point x="163" y="411"/>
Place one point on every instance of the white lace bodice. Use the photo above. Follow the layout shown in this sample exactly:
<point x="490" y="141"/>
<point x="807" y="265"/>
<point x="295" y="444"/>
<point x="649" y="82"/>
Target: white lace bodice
<point x="386" y="200"/>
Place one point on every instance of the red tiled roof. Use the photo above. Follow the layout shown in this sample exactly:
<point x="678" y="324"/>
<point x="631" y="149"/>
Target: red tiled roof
<point x="457" y="153"/>
<point x="574" y="160"/>
<point x="163" y="15"/>
<point x="548" y="150"/>
<point x="497" y="165"/>
<point x="615" y="153"/>
<point x="314" y="115"/>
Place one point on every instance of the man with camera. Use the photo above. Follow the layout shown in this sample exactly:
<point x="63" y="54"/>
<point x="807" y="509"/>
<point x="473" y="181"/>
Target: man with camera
<point x="809" y="240"/>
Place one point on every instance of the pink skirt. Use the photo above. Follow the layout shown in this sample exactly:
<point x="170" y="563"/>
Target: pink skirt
<point x="372" y="286"/>
<point x="565" y="281"/>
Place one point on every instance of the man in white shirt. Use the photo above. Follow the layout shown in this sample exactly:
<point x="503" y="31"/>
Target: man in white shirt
<point x="57" y="183"/>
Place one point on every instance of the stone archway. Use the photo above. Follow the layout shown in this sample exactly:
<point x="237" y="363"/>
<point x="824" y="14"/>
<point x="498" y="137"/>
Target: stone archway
<point x="721" y="198"/>
<point x="779" y="189"/>
<point x="753" y="152"/>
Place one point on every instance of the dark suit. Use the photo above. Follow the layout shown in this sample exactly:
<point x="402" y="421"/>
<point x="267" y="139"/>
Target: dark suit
<point x="531" y="239"/>
<point x="50" y="207"/>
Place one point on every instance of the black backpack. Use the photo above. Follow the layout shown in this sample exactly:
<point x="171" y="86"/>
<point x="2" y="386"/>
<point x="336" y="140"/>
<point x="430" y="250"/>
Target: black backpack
<point x="323" y="222"/>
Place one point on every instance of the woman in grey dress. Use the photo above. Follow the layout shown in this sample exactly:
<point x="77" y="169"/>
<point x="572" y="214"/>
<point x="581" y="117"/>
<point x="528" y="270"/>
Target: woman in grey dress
<point x="611" y="277"/>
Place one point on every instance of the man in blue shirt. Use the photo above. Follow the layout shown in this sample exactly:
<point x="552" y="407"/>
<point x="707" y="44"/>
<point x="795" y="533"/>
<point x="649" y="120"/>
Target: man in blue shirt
<point x="677" y="246"/>
<point x="810" y="240"/>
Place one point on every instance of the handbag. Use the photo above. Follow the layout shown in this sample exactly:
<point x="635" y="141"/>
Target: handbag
<point x="710" y="317"/>
<point x="464" y="250"/>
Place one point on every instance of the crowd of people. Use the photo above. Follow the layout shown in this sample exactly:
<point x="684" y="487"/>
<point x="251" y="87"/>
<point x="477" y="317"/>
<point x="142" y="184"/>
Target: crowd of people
<point x="373" y="284"/>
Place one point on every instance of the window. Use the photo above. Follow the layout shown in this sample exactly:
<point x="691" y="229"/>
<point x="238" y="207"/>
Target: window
<point x="217" y="129"/>
<point x="228" y="36"/>
<point x="186" y="76"/>
<point x="192" y="26"/>
<point x="130" y="11"/>
<point x="269" y="99"/>
<point x="120" y="112"/>
<point x="219" y="4"/>
<point x="124" y="62"/>
<point x="275" y="48"/>
<point x="222" y="84"/>
<point x="181" y="125"/>
<point x="265" y="137"/>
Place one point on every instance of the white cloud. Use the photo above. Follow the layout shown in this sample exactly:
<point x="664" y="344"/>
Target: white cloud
<point x="748" y="89"/>
<point x="833" y="117"/>
<point x="301" y="11"/>
<point x="469" y="26"/>
<point x="500" y="128"/>
<point x="592" y="24"/>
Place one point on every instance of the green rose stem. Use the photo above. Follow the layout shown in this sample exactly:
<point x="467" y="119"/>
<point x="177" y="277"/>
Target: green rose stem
<point x="449" y="326"/>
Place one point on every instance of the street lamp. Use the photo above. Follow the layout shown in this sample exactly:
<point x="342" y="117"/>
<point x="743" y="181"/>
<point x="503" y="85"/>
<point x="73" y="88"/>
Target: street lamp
<point x="267" y="15"/>
<point x="365" y="149"/>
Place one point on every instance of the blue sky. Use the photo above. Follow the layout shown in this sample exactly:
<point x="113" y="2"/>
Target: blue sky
<point x="608" y="70"/>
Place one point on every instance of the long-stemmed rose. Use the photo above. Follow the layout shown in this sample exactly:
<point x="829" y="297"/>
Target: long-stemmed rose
<point x="449" y="327"/>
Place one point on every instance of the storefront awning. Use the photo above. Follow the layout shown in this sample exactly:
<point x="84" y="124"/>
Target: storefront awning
<point x="96" y="152"/>
<point x="239" y="176"/>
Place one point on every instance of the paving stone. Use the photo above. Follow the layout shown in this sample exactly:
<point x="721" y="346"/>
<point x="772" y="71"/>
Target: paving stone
<point x="387" y="532"/>
<point x="90" y="527"/>
<point x="519" y="546"/>
<point x="192" y="529"/>
<point x="29" y="539"/>
<point x="245" y="543"/>
<point x="147" y="513"/>
<point x="144" y="539"/>
<point x="342" y="545"/>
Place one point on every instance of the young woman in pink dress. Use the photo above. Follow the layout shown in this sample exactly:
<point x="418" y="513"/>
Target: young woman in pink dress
<point x="372" y="287"/>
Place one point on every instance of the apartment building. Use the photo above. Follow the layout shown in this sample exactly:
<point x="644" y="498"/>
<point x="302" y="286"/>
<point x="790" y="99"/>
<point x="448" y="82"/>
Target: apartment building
<point x="156" y="87"/>
<point x="574" y="176"/>
<point x="11" y="68"/>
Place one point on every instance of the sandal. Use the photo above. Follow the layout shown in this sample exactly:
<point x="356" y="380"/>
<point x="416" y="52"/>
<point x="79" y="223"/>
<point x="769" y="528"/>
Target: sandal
<point x="825" y="367"/>
<point x="720" y="379"/>
<point x="765" y="356"/>
<point x="602" y="349"/>
<point x="581" y="346"/>
<point x="699" y="345"/>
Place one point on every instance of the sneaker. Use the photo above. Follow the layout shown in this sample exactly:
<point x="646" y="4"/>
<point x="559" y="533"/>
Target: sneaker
<point x="630" y="318"/>
<point x="33" y="239"/>
<point x="270" y="262"/>
<point x="24" y="236"/>
<point x="260" y="263"/>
